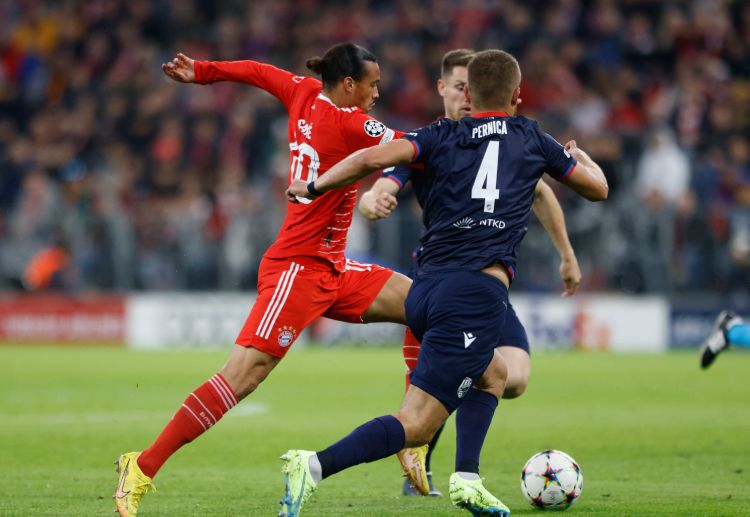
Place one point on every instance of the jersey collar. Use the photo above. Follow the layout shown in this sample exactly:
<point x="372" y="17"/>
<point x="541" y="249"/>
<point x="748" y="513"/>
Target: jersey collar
<point x="323" y="97"/>
<point x="490" y="114"/>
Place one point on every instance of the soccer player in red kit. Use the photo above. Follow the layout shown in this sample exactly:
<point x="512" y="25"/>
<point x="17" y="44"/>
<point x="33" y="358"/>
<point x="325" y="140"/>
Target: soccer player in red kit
<point x="304" y="274"/>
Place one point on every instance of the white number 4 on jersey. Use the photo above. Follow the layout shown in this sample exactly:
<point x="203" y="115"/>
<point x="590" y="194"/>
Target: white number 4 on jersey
<point x="485" y="182"/>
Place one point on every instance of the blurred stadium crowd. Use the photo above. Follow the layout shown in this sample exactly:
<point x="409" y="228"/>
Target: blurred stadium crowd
<point x="114" y="178"/>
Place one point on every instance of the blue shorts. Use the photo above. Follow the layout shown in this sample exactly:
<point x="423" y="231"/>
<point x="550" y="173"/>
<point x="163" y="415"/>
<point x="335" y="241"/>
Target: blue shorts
<point x="459" y="317"/>
<point x="513" y="332"/>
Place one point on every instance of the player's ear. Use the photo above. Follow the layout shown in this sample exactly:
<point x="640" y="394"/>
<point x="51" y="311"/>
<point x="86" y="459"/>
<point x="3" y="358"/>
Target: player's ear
<point x="515" y="99"/>
<point x="441" y="87"/>
<point x="348" y="84"/>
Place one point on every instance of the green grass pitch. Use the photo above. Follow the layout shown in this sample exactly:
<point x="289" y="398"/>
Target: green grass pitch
<point x="654" y="435"/>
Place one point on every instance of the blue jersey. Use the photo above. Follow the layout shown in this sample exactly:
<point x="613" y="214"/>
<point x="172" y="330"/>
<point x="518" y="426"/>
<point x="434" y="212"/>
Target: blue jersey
<point x="420" y="183"/>
<point x="479" y="178"/>
<point x="402" y="174"/>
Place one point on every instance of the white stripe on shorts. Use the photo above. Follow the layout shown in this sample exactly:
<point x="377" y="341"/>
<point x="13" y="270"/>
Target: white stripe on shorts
<point x="280" y="305"/>
<point x="278" y="300"/>
<point x="279" y="288"/>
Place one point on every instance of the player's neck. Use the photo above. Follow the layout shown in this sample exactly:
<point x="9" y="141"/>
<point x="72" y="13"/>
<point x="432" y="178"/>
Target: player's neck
<point x="338" y="97"/>
<point x="508" y="110"/>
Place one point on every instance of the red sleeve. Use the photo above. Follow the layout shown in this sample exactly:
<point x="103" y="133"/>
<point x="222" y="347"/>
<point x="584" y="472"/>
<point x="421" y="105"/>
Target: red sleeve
<point x="364" y="131"/>
<point x="280" y="83"/>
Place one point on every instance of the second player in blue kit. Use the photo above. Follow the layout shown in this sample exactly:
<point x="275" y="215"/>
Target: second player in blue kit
<point x="481" y="174"/>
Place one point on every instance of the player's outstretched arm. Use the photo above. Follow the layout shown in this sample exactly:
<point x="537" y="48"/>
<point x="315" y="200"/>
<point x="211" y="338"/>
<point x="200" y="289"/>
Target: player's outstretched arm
<point x="277" y="82"/>
<point x="380" y="200"/>
<point x="549" y="212"/>
<point x="587" y="179"/>
<point x="355" y="166"/>
<point x="180" y="69"/>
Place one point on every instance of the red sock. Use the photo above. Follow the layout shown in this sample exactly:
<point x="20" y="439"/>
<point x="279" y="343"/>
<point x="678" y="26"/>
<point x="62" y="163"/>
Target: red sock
<point x="410" y="349"/>
<point x="200" y="411"/>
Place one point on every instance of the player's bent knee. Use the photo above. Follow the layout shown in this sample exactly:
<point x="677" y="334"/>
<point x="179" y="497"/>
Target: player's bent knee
<point x="495" y="377"/>
<point x="515" y="390"/>
<point x="518" y="381"/>
<point x="519" y="370"/>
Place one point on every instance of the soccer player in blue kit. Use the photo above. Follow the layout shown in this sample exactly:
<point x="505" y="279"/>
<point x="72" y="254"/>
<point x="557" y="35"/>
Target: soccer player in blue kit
<point x="482" y="170"/>
<point x="379" y="201"/>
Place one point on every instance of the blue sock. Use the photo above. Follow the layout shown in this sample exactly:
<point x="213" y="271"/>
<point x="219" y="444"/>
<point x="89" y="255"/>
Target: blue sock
<point x="739" y="335"/>
<point x="378" y="438"/>
<point x="473" y="419"/>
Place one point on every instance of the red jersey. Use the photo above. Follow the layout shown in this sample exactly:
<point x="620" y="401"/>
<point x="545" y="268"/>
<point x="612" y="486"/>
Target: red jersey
<point x="320" y="135"/>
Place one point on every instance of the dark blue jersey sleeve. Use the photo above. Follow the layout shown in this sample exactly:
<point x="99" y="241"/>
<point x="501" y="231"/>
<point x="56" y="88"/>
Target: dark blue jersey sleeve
<point x="559" y="161"/>
<point x="424" y="140"/>
<point x="400" y="174"/>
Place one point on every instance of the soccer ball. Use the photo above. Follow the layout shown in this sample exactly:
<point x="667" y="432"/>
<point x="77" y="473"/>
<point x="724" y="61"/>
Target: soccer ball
<point x="551" y="480"/>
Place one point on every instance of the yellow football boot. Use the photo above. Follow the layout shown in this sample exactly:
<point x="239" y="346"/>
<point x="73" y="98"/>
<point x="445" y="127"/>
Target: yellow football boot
<point x="132" y="486"/>
<point x="413" y="461"/>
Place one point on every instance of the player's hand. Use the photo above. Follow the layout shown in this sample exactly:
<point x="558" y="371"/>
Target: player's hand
<point x="180" y="69"/>
<point x="384" y="205"/>
<point x="298" y="189"/>
<point x="570" y="274"/>
<point x="572" y="147"/>
<point x="381" y="206"/>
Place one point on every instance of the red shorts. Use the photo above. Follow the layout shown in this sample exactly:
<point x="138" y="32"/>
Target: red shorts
<point x="291" y="295"/>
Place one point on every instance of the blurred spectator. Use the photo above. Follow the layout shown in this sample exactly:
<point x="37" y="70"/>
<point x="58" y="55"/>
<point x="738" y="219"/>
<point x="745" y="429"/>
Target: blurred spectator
<point x="663" y="172"/>
<point x="153" y="185"/>
<point x="47" y="269"/>
<point x="663" y="177"/>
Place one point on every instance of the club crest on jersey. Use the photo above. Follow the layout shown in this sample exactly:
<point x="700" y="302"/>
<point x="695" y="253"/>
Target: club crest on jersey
<point x="374" y="128"/>
<point x="286" y="336"/>
<point x="463" y="389"/>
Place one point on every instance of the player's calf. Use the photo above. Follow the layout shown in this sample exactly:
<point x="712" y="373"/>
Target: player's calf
<point x="246" y="369"/>
<point x="421" y="415"/>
